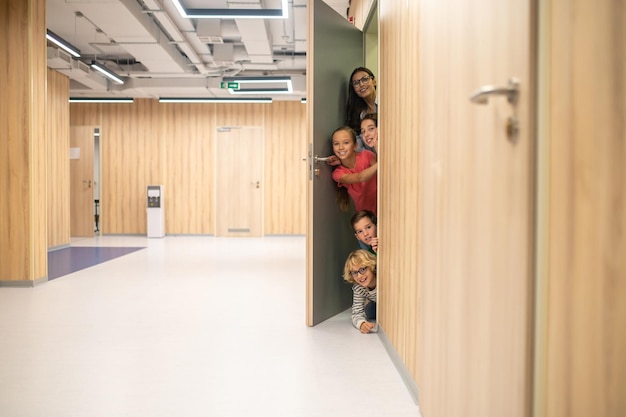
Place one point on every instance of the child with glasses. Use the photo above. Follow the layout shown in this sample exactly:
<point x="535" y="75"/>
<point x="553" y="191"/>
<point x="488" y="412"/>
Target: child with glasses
<point x="356" y="177"/>
<point x="360" y="271"/>
<point x="364" y="225"/>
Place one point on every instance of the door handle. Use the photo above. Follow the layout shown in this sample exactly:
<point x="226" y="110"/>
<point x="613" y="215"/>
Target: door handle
<point x="321" y="159"/>
<point x="88" y="182"/>
<point x="481" y="96"/>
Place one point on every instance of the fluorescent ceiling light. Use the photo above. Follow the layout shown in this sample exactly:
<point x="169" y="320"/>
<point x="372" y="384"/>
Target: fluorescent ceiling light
<point x="260" y="85"/>
<point x="188" y="13"/>
<point x="214" y="100"/>
<point x="101" y="100"/>
<point x="62" y="43"/>
<point x="106" y="72"/>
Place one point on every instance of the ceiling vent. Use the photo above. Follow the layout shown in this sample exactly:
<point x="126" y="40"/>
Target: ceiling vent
<point x="58" y="59"/>
<point x="210" y="31"/>
<point x="211" y="39"/>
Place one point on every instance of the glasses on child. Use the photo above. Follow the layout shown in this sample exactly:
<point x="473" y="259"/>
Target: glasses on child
<point x="360" y="271"/>
<point x="363" y="80"/>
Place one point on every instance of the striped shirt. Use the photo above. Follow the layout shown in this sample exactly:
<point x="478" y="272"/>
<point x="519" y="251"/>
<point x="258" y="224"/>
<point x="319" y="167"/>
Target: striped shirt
<point x="361" y="296"/>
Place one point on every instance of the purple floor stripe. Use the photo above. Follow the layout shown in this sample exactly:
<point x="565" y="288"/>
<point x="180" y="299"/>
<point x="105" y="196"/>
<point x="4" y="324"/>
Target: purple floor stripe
<point x="67" y="260"/>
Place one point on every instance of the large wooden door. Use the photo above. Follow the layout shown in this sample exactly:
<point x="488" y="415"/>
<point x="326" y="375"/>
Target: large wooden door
<point x="335" y="49"/>
<point x="239" y="181"/>
<point x="476" y="208"/>
<point x="82" y="223"/>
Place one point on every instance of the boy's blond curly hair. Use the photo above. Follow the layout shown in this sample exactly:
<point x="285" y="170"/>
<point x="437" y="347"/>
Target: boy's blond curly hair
<point x="358" y="259"/>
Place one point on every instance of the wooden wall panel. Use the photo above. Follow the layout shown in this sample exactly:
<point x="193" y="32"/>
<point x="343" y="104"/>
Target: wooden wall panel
<point x="86" y="114"/>
<point x="15" y="153"/>
<point x="251" y="114"/>
<point x="58" y="169"/>
<point x="132" y="157"/>
<point x="150" y="143"/>
<point x="584" y="337"/>
<point x="455" y="271"/>
<point x="188" y="134"/>
<point x="23" y="249"/>
<point x="285" y="171"/>
<point x="37" y="83"/>
<point x="399" y="176"/>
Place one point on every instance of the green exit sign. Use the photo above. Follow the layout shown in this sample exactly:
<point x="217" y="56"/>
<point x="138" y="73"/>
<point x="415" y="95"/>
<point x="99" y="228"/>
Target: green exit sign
<point x="234" y="86"/>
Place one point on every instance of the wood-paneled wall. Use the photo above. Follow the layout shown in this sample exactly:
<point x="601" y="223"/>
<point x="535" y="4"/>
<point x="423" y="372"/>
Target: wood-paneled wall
<point x="582" y="319"/>
<point x="579" y="361"/>
<point x="399" y="176"/>
<point x="285" y="149"/>
<point x="23" y="241"/>
<point x="150" y="143"/>
<point x="58" y="169"/>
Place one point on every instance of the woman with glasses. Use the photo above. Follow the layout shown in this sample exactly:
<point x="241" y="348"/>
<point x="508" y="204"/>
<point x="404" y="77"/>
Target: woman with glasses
<point x="361" y="97"/>
<point x="360" y="271"/>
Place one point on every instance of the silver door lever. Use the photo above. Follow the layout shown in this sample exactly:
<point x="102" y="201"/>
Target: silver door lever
<point x="481" y="96"/>
<point x="321" y="159"/>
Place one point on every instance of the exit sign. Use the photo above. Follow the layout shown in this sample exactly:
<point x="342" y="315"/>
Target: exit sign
<point x="234" y="86"/>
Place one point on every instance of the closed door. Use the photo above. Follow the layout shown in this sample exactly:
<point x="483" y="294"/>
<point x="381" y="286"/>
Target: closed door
<point x="475" y="164"/>
<point x="82" y="223"/>
<point x="239" y="182"/>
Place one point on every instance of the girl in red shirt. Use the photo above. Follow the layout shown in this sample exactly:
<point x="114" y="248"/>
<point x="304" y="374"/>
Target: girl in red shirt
<point x="357" y="173"/>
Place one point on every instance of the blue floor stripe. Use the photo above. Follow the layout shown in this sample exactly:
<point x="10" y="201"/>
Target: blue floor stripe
<point x="67" y="260"/>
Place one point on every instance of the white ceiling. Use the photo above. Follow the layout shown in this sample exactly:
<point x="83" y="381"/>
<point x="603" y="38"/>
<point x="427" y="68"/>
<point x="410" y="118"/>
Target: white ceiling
<point x="158" y="53"/>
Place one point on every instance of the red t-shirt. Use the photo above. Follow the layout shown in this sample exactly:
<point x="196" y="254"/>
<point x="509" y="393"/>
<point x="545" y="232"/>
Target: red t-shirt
<point x="364" y="194"/>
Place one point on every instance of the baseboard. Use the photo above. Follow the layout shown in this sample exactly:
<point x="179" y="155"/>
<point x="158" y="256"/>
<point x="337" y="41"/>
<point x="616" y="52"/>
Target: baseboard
<point x="23" y="283"/>
<point x="397" y="361"/>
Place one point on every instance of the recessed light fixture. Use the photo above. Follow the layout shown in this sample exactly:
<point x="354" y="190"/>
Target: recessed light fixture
<point x="190" y="13"/>
<point x="101" y="100"/>
<point x="214" y="100"/>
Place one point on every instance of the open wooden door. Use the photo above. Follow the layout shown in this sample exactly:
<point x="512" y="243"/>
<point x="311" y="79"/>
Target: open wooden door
<point x="82" y="223"/>
<point x="335" y="49"/>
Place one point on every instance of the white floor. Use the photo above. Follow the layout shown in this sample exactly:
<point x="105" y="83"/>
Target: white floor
<point x="190" y="326"/>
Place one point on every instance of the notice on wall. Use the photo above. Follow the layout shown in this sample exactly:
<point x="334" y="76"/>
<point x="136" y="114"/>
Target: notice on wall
<point x="74" y="153"/>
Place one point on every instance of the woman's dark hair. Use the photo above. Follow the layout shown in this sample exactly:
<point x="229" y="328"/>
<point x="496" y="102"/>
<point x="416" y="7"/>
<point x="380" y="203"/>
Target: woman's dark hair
<point x="356" y="105"/>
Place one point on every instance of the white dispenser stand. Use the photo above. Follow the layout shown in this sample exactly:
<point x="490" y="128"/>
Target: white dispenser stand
<point x="155" y="211"/>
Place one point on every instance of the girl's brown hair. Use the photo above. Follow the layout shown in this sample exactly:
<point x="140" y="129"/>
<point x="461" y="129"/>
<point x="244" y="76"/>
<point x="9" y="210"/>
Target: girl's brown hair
<point x="342" y="197"/>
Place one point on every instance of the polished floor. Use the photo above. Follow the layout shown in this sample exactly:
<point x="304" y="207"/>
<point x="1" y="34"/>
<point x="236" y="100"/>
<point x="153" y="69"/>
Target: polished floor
<point x="188" y="326"/>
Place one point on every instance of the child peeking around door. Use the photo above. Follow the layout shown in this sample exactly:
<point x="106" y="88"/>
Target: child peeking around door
<point x="360" y="271"/>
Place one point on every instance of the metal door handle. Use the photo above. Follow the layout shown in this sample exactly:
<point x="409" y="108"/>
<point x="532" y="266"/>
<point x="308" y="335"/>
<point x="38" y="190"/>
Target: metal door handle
<point x="88" y="182"/>
<point x="481" y="96"/>
<point x="321" y="159"/>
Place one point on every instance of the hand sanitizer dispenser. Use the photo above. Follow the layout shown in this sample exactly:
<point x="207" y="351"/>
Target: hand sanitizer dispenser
<point x="155" y="211"/>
